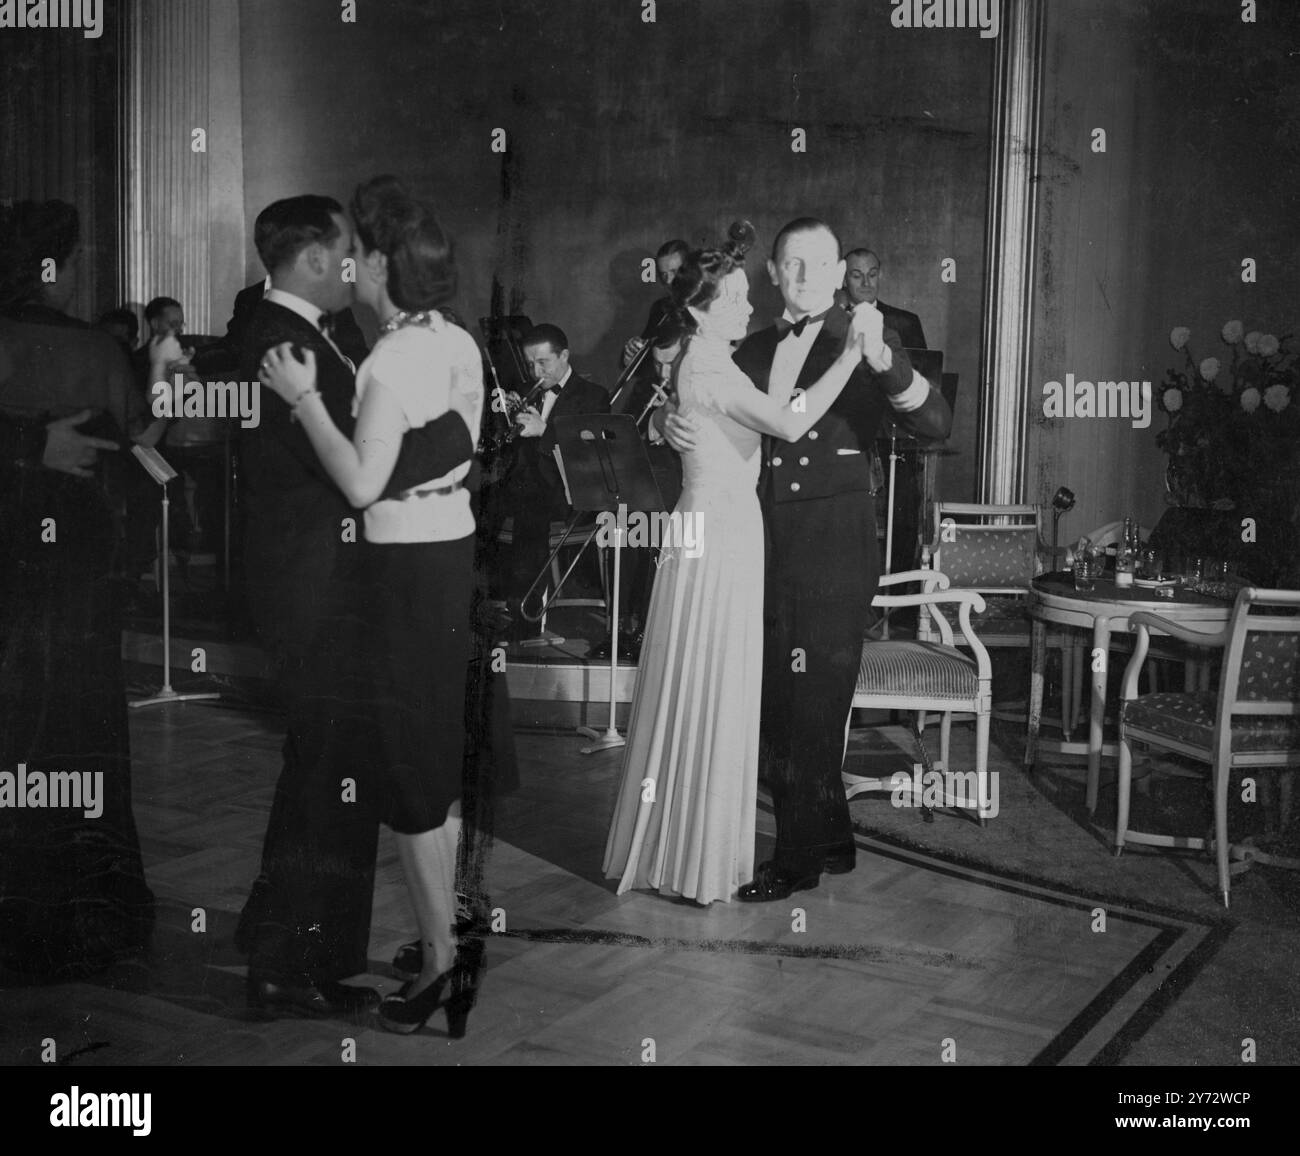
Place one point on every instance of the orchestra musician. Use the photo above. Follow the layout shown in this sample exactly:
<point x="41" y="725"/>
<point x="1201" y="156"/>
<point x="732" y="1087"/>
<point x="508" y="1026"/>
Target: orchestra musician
<point x="534" y="490"/>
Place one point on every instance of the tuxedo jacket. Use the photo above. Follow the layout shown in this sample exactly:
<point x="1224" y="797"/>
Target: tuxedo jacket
<point x="226" y="352"/>
<point x="831" y="458"/>
<point x="906" y="325"/>
<point x="536" y="465"/>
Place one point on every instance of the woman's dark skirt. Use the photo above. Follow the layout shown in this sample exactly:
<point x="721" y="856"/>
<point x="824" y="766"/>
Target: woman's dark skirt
<point x="422" y="599"/>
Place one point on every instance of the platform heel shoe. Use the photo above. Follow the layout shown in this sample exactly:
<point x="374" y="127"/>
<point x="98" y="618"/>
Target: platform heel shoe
<point x="456" y="989"/>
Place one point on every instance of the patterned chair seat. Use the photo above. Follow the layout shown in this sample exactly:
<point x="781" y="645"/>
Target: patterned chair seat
<point x="917" y="669"/>
<point x="1189" y="718"/>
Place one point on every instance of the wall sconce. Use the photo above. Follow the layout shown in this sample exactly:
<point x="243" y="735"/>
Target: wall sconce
<point x="1062" y="503"/>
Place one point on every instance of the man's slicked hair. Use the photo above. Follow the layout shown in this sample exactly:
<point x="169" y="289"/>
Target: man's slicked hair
<point x="285" y="228"/>
<point x="546" y="334"/>
<point x="668" y="248"/>
<point x="801" y="225"/>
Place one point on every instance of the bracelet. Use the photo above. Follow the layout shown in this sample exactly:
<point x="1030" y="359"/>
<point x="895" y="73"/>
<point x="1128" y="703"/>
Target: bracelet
<point x="306" y="393"/>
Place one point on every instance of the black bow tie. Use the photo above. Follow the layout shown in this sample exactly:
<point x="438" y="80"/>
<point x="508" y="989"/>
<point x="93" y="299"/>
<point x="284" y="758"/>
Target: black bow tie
<point x="326" y="324"/>
<point x="784" y="328"/>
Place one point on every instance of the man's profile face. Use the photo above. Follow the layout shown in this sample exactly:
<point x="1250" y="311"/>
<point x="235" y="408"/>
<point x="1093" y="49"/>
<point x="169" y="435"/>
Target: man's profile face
<point x="544" y="362"/>
<point x="335" y="253"/>
<point x="808" y="270"/>
<point x="862" y="281"/>
<point x="668" y="267"/>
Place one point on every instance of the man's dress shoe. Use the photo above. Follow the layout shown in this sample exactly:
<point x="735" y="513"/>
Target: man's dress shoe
<point x="774" y="882"/>
<point x="298" y="995"/>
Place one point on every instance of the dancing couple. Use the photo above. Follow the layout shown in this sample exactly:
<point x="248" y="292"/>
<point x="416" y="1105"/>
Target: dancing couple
<point x="372" y="639"/>
<point x="805" y="399"/>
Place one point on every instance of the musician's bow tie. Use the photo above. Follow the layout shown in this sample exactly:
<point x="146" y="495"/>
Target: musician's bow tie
<point x="326" y="324"/>
<point x="784" y="328"/>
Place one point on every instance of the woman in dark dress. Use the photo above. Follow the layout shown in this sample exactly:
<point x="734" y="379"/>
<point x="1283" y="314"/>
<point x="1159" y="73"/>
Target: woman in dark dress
<point x="73" y="897"/>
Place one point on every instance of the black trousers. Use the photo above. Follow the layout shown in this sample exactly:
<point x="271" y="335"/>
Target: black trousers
<point x="309" y="909"/>
<point x="822" y="570"/>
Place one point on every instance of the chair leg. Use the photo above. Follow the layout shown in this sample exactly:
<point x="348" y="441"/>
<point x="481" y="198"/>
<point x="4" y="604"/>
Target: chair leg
<point x="1037" y="663"/>
<point x="1067" y="692"/>
<point x="1123" y="782"/>
<point x="920" y="721"/>
<point x="945" y="734"/>
<point x="986" y="809"/>
<point x="1076" y="702"/>
<point x="1221" y="777"/>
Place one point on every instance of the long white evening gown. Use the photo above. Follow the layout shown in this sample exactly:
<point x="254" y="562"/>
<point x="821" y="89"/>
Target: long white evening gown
<point x="689" y="830"/>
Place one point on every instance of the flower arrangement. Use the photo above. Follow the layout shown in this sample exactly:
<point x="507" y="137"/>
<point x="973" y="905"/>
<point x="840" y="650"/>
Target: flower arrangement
<point x="1233" y="428"/>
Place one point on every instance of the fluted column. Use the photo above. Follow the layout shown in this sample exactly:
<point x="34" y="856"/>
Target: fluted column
<point x="1008" y="294"/>
<point x="183" y="232"/>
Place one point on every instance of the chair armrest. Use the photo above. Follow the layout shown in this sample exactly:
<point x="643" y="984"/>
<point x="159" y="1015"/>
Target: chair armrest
<point x="967" y="600"/>
<point x="1146" y="620"/>
<point x="1141" y="624"/>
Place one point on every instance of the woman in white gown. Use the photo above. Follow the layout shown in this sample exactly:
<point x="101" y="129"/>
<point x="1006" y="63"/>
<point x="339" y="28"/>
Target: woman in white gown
<point x="684" y="822"/>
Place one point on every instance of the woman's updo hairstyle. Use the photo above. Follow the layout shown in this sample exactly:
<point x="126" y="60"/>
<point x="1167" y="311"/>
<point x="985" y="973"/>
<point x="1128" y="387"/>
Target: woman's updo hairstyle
<point x="703" y="270"/>
<point x="421" y="263"/>
<point x="30" y="232"/>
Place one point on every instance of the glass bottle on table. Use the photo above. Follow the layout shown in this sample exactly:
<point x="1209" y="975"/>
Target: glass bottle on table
<point x="1126" y="555"/>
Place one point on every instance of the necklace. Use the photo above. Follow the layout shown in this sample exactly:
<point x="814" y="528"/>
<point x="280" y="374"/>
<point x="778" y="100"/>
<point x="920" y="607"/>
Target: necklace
<point x="430" y="319"/>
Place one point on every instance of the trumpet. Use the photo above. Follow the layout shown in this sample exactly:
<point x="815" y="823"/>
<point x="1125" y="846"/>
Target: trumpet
<point x="511" y="408"/>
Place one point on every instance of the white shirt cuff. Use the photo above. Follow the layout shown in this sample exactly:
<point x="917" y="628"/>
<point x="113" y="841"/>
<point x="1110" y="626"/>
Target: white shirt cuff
<point x="913" y="397"/>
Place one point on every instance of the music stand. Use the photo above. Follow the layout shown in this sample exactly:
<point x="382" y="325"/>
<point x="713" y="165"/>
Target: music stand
<point x="158" y="469"/>
<point x="606" y="470"/>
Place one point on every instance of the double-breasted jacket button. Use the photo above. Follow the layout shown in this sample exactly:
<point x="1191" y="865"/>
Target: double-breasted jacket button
<point x="794" y="487"/>
<point x="803" y="461"/>
<point x="776" y="461"/>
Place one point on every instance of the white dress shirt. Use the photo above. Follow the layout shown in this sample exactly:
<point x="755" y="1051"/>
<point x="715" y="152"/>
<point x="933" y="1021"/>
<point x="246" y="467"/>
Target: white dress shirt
<point x="309" y="313"/>
<point x="787" y="364"/>
<point x="551" y="396"/>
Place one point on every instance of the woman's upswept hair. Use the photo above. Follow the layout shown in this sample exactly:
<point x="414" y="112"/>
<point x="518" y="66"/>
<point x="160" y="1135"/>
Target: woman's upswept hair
<point x="31" y="232"/>
<point x="421" y="260"/>
<point x="696" y="282"/>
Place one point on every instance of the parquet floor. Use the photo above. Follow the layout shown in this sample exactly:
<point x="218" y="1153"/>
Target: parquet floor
<point x="905" y="961"/>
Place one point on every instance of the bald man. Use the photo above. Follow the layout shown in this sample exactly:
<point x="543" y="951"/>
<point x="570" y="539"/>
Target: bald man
<point x="862" y="283"/>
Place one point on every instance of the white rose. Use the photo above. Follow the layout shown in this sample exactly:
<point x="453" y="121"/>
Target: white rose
<point x="1250" y="399"/>
<point x="1268" y="345"/>
<point x="1210" y="368"/>
<point x="1232" y="332"/>
<point x="1277" y="397"/>
<point x="1172" y="400"/>
<point x="1252" y="341"/>
<point x="1179" y="337"/>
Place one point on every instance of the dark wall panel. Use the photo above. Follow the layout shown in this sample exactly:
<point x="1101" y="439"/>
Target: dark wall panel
<point x="622" y="134"/>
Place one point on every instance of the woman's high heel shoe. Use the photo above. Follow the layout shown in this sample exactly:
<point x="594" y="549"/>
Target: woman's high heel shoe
<point x="405" y="1015"/>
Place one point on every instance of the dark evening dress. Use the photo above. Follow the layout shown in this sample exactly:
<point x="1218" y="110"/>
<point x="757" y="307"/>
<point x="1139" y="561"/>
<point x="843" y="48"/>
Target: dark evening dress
<point x="73" y="896"/>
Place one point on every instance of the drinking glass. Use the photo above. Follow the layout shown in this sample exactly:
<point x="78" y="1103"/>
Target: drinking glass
<point x="1151" y="564"/>
<point x="1087" y="569"/>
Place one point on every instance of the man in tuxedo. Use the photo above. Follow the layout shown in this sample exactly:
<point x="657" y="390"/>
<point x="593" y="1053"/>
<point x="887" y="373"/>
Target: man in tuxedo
<point x="536" y="490"/>
<point x="823" y="562"/>
<point x="307" y="921"/>
<point x="214" y="358"/>
<point x="862" y="283"/>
